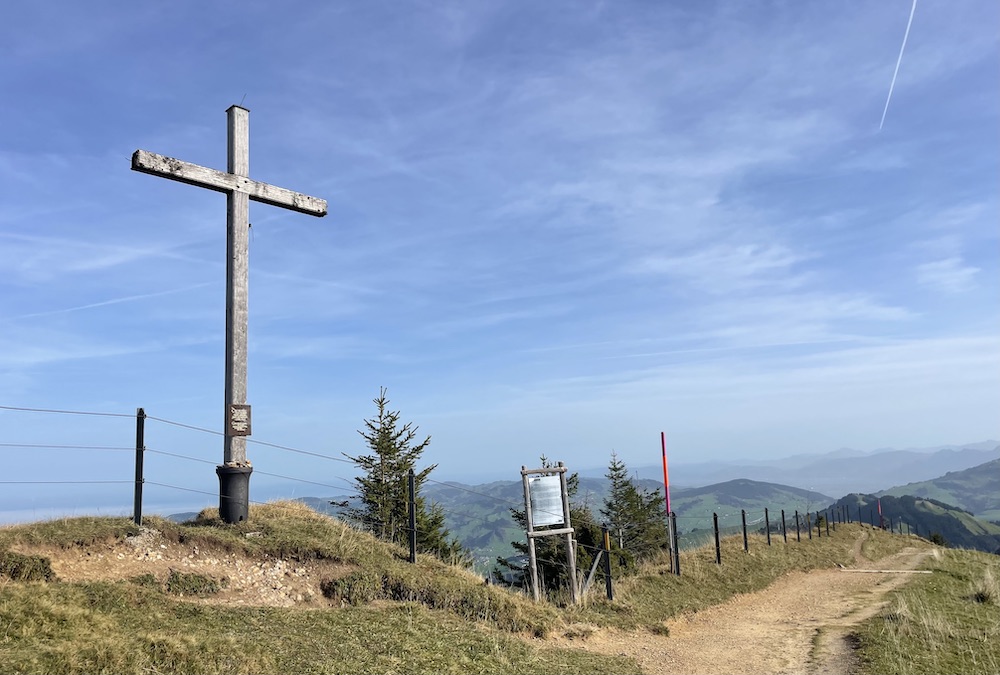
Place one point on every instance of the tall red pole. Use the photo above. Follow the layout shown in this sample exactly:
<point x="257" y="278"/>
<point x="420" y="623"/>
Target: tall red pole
<point x="666" y="480"/>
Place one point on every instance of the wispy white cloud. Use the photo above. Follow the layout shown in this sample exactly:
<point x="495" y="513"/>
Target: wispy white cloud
<point x="949" y="275"/>
<point x="730" y="269"/>
<point x="106" y="303"/>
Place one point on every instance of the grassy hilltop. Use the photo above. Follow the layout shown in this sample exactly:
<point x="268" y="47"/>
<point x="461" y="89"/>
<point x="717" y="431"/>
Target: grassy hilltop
<point x="295" y="591"/>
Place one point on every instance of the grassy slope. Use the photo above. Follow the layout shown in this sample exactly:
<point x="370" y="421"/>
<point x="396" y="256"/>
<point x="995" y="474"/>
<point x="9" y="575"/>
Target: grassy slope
<point x="945" y="622"/>
<point x="452" y="623"/>
<point x="387" y="616"/>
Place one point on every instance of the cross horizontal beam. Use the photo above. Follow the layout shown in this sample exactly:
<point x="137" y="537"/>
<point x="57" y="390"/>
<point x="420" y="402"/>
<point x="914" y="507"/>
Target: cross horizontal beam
<point x="220" y="181"/>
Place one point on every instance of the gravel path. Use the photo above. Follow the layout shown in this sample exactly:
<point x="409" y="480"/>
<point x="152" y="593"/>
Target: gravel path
<point x="800" y="624"/>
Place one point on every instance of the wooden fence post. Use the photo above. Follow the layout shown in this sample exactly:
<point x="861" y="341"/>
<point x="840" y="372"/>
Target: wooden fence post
<point x="743" y="515"/>
<point x="784" y="530"/>
<point x="767" y="526"/>
<point x="798" y="535"/>
<point x="607" y="564"/>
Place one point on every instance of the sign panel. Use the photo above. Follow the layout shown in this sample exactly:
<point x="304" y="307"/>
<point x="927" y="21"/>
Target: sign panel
<point x="239" y="420"/>
<point x="546" y="501"/>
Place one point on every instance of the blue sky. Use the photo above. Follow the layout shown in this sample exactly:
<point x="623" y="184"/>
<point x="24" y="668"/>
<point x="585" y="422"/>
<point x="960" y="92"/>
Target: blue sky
<point x="557" y="228"/>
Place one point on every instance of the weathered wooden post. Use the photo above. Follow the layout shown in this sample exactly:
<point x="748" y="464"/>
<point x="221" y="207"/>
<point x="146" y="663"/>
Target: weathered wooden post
<point x="743" y="516"/>
<point x="809" y="527"/>
<point x="798" y="536"/>
<point x="234" y="472"/>
<point x="784" y="531"/>
<point x="767" y="526"/>
<point x="607" y="564"/>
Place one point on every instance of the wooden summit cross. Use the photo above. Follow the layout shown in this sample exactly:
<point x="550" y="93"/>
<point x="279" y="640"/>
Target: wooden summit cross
<point x="234" y="473"/>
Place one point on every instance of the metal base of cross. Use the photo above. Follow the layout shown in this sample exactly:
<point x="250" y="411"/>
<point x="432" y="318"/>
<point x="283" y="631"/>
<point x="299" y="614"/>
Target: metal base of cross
<point x="234" y="492"/>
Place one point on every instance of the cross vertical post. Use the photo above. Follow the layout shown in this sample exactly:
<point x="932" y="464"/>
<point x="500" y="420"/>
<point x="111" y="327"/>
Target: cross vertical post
<point x="237" y="280"/>
<point x="234" y="472"/>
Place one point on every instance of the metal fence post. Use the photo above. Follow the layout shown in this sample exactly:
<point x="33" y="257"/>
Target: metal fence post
<point x="677" y="553"/>
<point x="140" y="448"/>
<point x="412" y="489"/>
<point x="718" y="548"/>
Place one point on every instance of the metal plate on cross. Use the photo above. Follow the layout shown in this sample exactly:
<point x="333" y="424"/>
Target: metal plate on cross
<point x="239" y="420"/>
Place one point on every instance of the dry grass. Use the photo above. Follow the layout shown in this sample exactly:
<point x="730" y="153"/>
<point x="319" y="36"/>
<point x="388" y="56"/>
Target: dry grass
<point x="947" y="622"/>
<point x="430" y="617"/>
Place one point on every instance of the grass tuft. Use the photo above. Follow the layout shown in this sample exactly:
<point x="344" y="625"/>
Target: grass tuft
<point x="199" y="585"/>
<point x="21" y="567"/>
<point x="986" y="590"/>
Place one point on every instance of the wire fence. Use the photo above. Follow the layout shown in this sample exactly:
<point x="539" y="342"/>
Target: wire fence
<point x="687" y="531"/>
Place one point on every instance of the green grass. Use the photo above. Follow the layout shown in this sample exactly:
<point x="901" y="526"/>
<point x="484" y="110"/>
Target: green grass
<point x="945" y="622"/>
<point x="384" y="614"/>
<point x="387" y="616"/>
<point x="121" y="627"/>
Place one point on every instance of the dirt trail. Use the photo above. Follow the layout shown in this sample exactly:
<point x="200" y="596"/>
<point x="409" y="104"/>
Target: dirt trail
<point x="799" y="624"/>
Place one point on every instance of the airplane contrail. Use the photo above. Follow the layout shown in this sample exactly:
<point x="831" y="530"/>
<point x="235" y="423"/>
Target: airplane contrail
<point x="892" y="84"/>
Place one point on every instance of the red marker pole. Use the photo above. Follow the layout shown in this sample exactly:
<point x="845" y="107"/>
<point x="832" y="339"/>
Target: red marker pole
<point x="666" y="480"/>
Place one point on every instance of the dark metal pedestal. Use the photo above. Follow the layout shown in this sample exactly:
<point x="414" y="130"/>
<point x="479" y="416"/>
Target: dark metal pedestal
<point x="234" y="492"/>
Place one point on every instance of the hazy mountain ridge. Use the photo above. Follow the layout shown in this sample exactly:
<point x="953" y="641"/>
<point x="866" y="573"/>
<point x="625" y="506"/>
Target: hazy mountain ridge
<point x="976" y="489"/>
<point x="839" y="472"/>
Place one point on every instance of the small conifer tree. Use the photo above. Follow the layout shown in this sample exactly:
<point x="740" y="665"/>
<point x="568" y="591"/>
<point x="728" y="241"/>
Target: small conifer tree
<point x="383" y="501"/>
<point x="634" y="516"/>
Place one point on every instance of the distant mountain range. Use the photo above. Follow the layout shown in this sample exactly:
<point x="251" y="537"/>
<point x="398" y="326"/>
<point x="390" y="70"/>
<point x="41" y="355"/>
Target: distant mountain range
<point x="976" y="490"/>
<point x="839" y="472"/>
<point x="479" y="515"/>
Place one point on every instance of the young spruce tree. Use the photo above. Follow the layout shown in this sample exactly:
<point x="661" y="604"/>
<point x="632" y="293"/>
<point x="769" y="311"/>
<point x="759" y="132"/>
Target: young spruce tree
<point x="634" y="516"/>
<point x="383" y="488"/>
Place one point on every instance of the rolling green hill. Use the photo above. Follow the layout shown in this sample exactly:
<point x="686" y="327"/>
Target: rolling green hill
<point x="976" y="490"/>
<point x="479" y="515"/>
<point x="927" y="516"/>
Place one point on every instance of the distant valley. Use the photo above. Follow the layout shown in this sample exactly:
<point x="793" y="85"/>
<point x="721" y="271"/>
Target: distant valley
<point x="479" y="515"/>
